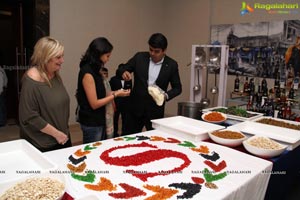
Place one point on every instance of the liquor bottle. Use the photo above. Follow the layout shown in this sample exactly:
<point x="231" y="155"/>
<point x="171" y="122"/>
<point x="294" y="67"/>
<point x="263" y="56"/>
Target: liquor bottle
<point x="280" y="114"/>
<point x="292" y="93"/>
<point x="277" y="92"/>
<point x="246" y="85"/>
<point x="277" y="111"/>
<point x="236" y="83"/>
<point x="282" y="80"/>
<point x="259" y="95"/>
<point x="271" y="108"/>
<point x="241" y="88"/>
<point x="251" y="86"/>
<point x="264" y="87"/>
<point x="277" y="81"/>
<point x="282" y="96"/>
<point x="296" y="81"/>
<point x="256" y="83"/>
<point x="283" y="111"/>
<point x="250" y="103"/>
<point x="264" y="104"/>
<point x="288" y="110"/>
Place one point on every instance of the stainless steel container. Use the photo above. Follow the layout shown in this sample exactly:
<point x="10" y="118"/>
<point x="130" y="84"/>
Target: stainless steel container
<point x="190" y="109"/>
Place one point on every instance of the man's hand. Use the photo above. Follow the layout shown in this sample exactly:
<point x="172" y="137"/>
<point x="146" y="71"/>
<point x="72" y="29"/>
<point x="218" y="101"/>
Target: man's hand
<point x="126" y="76"/>
<point x="157" y="95"/>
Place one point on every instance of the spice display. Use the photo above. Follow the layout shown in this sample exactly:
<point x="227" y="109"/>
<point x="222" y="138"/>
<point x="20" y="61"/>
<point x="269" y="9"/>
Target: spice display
<point x="214" y="117"/>
<point x="77" y="169"/>
<point x="89" y="177"/>
<point x="213" y="167"/>
<point x="201" y="149"/>
<point x="75" y="161"/>
<point x="81" y="153"/>
<point x="144" y="158"/>
<point x="191" y="189"/>
<point x="228" y="134"/>
<point x="130" y="192"/>
<point x="161" y="192"/>
<point x="264" y="143"/>
<point x="216" y="168"/>
<point x="103" y="185"/>
<point x="279" y="123"/>
<point x="235" y="111"/>
<point x="211" y="185"/>
<point x="209" y="177"/>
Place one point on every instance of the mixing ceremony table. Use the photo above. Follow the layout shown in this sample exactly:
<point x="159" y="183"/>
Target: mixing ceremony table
<point x="154" y="164"/>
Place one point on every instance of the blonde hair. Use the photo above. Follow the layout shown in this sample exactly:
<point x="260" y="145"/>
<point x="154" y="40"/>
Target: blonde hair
<point x="45" y="49"/>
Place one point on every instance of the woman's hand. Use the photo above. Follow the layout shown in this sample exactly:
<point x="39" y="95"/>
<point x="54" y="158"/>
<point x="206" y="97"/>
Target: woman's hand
<point x="61" y="138"/>
<point x="122" y="93"/>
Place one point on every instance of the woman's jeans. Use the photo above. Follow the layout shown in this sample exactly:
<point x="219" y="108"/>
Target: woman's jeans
<point x="92" y="133"/>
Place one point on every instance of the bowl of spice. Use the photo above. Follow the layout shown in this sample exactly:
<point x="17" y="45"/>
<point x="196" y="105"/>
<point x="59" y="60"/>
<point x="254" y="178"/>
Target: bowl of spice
<point x="227" y="137"/>
<point x="263" y="146"/>
<point x="214" y="117"/>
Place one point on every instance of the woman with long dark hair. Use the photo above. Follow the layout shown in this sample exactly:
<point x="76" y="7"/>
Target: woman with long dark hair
<point x="94" y="95"/>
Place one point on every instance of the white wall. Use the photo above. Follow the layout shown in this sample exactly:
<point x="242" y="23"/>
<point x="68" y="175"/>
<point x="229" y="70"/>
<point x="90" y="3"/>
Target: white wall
<point x="129" y="23"/>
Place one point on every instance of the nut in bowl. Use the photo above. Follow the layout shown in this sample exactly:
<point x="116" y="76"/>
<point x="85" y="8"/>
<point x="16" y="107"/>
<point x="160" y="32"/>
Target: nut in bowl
<point x="214" y="117"/>
<point x="263" y="146"/>
<point x="41" y="186"/>
<point x="227" y="137"/>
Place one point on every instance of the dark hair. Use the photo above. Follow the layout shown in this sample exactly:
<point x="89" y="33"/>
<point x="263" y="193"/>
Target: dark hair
<point x="158" y="40"/>
<point x="96" y="49"/>
<point x="104" y="69"/>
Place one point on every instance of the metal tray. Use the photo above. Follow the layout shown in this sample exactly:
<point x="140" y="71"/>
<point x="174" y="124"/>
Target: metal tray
<point x="190" y="129"/>
<point x="257" y="115"/>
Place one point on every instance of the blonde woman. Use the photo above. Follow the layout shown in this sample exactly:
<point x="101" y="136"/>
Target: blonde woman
<point x="44" y="101"/>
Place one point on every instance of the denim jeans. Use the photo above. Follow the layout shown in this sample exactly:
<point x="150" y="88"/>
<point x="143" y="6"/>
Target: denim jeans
<point x="92" y="133"/>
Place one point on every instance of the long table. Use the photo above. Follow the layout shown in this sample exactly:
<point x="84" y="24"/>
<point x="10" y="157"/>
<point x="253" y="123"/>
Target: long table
<point x="284" y="174"/>
<point x="153" y="163"/>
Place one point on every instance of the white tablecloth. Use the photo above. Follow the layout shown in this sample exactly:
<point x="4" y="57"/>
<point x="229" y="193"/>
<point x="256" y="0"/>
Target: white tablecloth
<point x="246" y="176"/>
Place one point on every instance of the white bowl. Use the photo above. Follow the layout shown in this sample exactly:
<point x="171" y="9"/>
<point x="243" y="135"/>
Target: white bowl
<point x="214" y="121"/>
<point x="57" y="177"/>
<point x="263" y="151"/>
<point x="226" y="141"/>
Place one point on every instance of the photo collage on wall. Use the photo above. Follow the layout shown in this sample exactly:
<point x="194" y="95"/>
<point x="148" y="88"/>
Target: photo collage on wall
<point x="263" y="49"/>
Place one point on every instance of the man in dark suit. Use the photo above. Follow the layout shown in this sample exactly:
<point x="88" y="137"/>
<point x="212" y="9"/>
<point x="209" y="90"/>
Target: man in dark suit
<point x="148" y="68"/>
<point x="121" y="103"/>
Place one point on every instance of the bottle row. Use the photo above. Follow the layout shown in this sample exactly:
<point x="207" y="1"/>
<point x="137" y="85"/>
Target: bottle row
<point x="252" y="86"/>
<point x="278" y="108"/>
